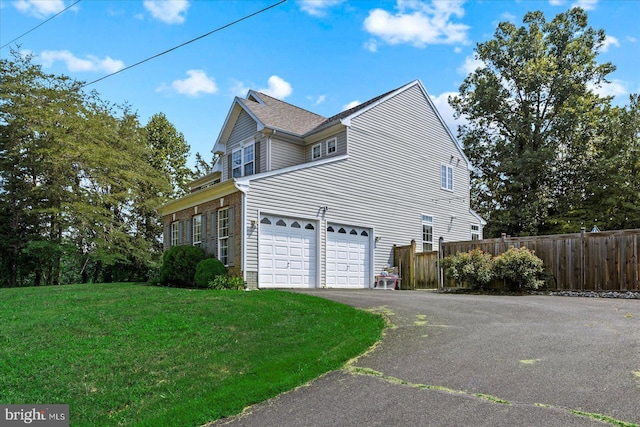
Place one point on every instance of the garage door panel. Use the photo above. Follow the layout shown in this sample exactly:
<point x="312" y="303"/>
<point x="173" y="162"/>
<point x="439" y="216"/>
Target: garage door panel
<point x="348" y="257"/>
<point x="286" y="251"/>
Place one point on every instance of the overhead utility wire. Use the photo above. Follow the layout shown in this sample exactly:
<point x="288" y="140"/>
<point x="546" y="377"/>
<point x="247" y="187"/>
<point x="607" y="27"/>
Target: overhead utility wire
<point x="41" y="24"/>
<point x="186" y="43"/>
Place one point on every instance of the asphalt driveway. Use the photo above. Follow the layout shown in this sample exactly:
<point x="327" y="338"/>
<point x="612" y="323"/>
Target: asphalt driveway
<point x="470" y="360"/>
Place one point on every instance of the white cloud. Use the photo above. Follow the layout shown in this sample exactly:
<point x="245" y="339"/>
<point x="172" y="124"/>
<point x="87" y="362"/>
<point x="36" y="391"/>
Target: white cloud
<point x="446" y="111"/>
<point x="506" y="16"/>
<point x="586" y="4"/>
<point x="75" y="64"/>
<point x="613" y="88"/>
<point x="39" y="9"/>
<point x="239" y="89"/>
<point x="608" y="42"/>
<point x="277" y="88"/>
<point x="556" y="2"/>
<point x="168" y="11"/>
<point x="471" y="63"/>
<point x="317" y="101"/>
<point x="419" y="23"/>
<point x="351" y="105"/>
<point x="318" y="7"/>
<point x="196" y="84"/>
<point x="631" y="39"/>
<point x="371" y="45"/>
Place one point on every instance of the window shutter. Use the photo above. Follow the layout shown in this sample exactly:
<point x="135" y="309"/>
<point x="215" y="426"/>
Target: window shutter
<point x="203" y="237"/>
<point x="214" y="231"/>
<point x="167" y="236"/>
<point x="256" y="157"/>
<point x="229" y="167"/>
<point x="189" y="234"/>
<point x="232" y="239"/>
<point x="180" y="232"/>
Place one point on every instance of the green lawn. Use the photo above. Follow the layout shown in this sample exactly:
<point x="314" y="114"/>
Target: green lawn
<point x="125" y="354"/>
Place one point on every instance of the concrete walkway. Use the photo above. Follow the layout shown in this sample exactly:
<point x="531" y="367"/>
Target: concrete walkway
<point x="467" y="360"/>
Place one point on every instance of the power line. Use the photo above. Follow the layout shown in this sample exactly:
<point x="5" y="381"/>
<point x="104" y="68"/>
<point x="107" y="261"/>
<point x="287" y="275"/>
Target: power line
<point x="41" y="24"/>
<point x="186" y="43"/>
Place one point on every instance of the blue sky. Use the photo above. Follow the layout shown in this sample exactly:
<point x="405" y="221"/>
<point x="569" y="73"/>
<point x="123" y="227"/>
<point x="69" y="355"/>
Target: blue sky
<point x="323" y="55"/>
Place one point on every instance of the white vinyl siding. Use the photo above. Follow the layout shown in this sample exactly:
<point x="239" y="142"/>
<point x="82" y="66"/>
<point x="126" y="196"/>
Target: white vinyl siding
<point x="391" y="177"/>
<point x="244" y="128"/>
<point x="340" y="144"/>
<point x="284" y="154"/>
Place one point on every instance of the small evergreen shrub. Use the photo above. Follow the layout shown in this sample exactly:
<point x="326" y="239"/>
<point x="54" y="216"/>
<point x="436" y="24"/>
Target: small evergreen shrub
<point x="225" y="282"/>
<point x="207" y="270"/>
<point x="519" y="269"/>
<point x="179" y="265"/>
<point x="474" y="267"/>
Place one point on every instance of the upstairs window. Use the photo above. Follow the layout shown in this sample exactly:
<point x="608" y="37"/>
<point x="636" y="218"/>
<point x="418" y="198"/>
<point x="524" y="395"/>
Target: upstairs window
<point x="427" y="233"/>
<point x="242" y="161"/>
<point x="316" y="152"/>
<point x="332" y="146"/>
<point x="446" y="177"/>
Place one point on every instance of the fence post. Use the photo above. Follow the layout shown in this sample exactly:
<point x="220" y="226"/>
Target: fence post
<point x="440" y="272"/>
<point x="412" y="265"/>
<point x="582" y="258"/>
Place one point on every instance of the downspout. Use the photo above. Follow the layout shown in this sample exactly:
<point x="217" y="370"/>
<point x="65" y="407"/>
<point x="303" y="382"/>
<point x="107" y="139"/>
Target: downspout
<point x="244" y="189"/>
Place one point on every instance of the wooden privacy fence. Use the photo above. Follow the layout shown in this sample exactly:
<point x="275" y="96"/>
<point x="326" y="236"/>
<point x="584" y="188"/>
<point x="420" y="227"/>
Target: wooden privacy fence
<point x="418" y="270"/>
<point x="602" y="261"/>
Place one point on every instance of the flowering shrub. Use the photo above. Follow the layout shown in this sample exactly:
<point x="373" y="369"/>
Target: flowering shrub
<point x="474" y="267"/>
<point x="519" y="268"/>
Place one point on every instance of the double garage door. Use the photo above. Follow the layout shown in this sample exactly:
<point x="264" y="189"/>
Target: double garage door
<point x="288" y="254"/>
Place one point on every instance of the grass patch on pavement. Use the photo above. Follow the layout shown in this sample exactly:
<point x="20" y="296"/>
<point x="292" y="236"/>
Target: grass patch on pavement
<point x="124" y="354"/>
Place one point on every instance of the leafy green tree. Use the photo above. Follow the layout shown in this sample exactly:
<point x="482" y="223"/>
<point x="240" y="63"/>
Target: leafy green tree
<point x="202" y="167"/>
<point x="532" y="119"/>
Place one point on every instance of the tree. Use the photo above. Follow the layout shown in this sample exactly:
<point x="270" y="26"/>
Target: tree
<point x="532" y="119"/>
<point x="202" y="167"/>
<point x="169" y="152"/>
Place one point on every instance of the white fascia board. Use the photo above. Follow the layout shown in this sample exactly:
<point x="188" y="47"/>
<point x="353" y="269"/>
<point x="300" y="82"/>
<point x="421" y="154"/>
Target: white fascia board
<point x="480" y="219"/>
<point x="228" y="119"/>
<point x="256" y="95"/>
<point x="244" y="183"/>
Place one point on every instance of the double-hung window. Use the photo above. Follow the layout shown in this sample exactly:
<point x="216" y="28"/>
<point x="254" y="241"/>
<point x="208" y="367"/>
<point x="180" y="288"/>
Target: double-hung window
<point x="332" y="146"/>
<point x="243" y="161"/>
<point x="197" y="230"/>
<point x="223" y="236"/>
<point x="446" y="177"/>
<point x="427" y="233"/>
<point x="316" y="152"/>
<point x="175" y="233"/>
<point x="475" y="232"/>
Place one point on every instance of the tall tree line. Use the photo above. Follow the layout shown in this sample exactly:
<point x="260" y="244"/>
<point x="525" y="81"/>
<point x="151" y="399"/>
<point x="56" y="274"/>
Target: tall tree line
<point x="79" y="181"/>
<point x="550" y="154"/>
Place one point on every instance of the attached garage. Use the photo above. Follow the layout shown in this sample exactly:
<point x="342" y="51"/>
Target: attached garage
<point x="348" y="256"/>
<point x="287" y="252"/>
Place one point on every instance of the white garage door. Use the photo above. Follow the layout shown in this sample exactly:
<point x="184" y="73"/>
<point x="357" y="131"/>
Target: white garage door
<point x="287" y="252"/>
<point x="348" y="256"/>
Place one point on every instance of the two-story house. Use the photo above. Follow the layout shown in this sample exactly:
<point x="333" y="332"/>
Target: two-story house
<point x="300" y="200"/>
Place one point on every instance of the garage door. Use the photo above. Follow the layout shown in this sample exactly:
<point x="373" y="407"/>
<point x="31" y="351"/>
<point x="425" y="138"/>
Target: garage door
<point x="348" y="256"/>
<point x="287" y="252"/>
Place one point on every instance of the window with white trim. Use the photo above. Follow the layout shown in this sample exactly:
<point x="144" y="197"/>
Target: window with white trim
<point x="197" y="230"/>
<point x="223" y="236"/>
<point x="332" y="146"/>
<point x="446" y="177"/>
<point x="475" y="232"/>
<point x="316" y="152"/>
<point x="175" y="233"/>
<point x="242" y="161"/>
<point x="427" y="233"/>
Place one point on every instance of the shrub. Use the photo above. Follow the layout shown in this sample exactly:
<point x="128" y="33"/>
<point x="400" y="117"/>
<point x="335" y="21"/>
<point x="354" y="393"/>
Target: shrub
<point x="179" y="265"/>
<point x="226" y="282"/>
<point x="207" y="270"/>
<point x="519" y="268"/>
<point x="474" y="267"/>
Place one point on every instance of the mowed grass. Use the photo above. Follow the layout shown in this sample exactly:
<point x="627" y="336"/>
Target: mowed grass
<point x="125" y="354"/>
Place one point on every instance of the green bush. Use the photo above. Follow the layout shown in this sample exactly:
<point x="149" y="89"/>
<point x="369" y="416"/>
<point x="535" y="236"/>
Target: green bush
<point x="519" y="269"/>
<point x="225" y="282"/>
<point x="179" y="265"/>
<point x="207" y="270"/>
<point x="474" y="267"/>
